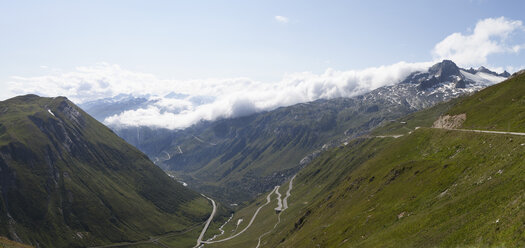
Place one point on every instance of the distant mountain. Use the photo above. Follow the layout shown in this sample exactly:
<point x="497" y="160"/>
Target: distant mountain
<point x="106" y="107"/>
<point x="103" y="108"/>
<point x="66" y="180"/>
<point x="235" y="159"/>
<point x="487" y="71"/>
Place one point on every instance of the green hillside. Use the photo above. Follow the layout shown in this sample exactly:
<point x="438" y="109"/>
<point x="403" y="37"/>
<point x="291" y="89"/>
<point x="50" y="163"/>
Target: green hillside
<point x="500" y="107"/>
<point x="428" y="188"/>
<point x="66" y="180"/>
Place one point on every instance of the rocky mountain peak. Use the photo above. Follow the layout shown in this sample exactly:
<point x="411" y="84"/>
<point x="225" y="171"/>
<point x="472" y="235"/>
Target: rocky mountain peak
<point x="505" y="74"/>
<point x="447" y="72"/>
<point x="444" y="70"/>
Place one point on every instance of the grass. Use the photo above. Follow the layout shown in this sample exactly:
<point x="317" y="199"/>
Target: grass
<point x="6" y="243"/>
<point x="446" y="185"/>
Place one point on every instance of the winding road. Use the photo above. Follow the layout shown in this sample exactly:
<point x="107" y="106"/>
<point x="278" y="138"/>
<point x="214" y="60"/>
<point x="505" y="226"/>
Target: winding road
<point x="268" y="200"/>
<point x="279" y="207"/>
<point x="484" y="131"/>
<point x="199" y="240"/>
<point x="288" y="193"/>
<point x="389" y="136"/>
<point x="279" y="201"/>
<point x="454" y="129"/>
<point x="282" y="204"/>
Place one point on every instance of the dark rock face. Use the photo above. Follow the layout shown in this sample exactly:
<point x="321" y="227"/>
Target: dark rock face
<point x="429" y="83"/>
<point x="461" y="84"/>
<point x="7" y="177"/>
<point x="71" y="113"/>
<point x="446" y="71"/>
<point x="505" y="74"/>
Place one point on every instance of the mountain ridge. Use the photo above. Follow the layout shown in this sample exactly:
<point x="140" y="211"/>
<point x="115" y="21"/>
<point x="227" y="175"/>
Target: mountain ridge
<point x="67" y="180"/>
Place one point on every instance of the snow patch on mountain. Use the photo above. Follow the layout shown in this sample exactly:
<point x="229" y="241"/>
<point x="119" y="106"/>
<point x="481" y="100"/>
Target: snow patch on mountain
<point x="483" y="78"/>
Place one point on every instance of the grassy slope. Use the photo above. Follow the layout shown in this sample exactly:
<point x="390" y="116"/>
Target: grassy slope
<point x="70" y="181"/>
<point x="429" y="188"/>
<point x="6" y="243"/>
<point x="446" y="183"/>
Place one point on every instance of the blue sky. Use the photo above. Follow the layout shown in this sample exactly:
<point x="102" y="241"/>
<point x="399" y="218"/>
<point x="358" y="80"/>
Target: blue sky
<point x="231" y="58"/>
<point x="201" y="39"/>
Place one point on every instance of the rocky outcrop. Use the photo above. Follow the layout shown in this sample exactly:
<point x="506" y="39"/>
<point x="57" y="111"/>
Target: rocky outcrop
<point x="450" y="121"/>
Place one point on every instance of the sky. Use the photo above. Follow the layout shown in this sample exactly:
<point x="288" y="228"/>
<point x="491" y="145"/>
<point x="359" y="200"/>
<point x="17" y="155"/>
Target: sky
<point x="260" y="54"/>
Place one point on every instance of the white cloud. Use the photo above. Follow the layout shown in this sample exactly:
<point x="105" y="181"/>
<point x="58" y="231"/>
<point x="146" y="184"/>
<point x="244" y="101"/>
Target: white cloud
<point x="241" y="97"/>
<point x="281" y="19"/>
<point x="212" y="98"/>
<point x="206" y="99"/>
<point x="490" y="36"/>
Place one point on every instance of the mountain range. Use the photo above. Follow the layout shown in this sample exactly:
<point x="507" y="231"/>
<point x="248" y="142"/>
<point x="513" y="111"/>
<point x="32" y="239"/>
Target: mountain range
<point x="237" y="158"/>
